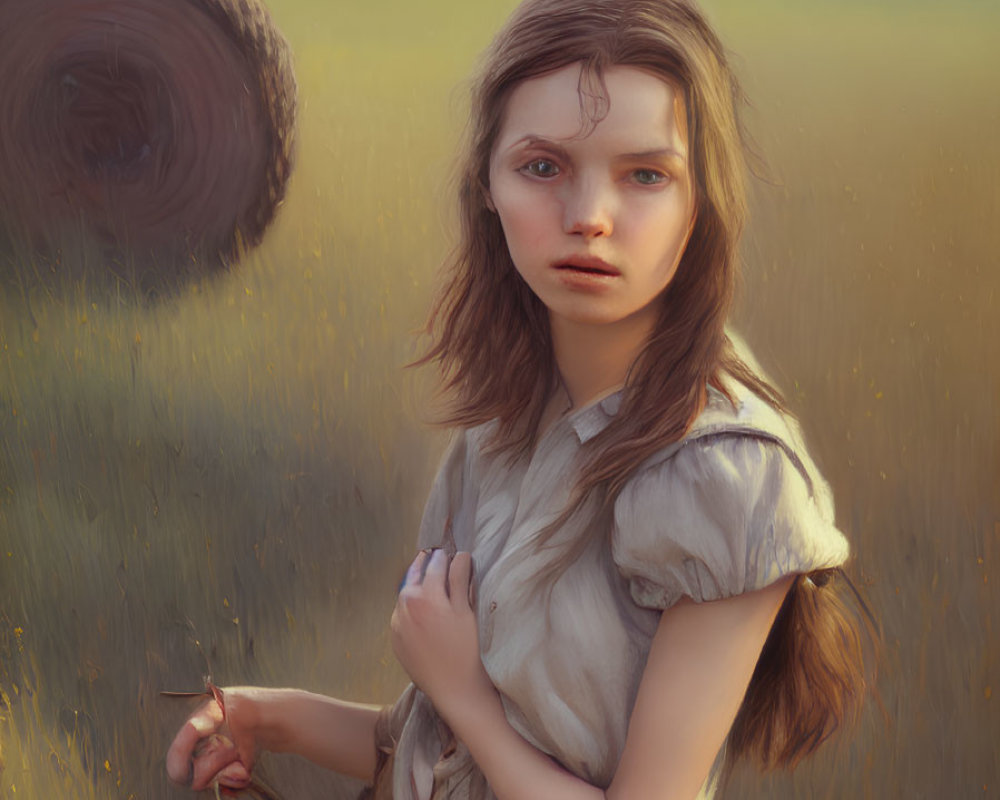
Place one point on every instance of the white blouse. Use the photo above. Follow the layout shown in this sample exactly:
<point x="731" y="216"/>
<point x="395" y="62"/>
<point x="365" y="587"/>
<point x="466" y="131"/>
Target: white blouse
<point x="731" y="508"/>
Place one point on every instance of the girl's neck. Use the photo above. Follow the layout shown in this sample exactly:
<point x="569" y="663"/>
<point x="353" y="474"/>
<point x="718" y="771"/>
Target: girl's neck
<point x="595" y="359"/>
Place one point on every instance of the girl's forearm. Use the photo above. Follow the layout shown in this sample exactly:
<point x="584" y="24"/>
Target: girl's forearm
<point x="514" y="768"/>
<point x="332" y="733"/>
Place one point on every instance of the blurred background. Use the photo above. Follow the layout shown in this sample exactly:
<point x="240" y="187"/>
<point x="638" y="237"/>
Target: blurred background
<point x="227" y="481"/>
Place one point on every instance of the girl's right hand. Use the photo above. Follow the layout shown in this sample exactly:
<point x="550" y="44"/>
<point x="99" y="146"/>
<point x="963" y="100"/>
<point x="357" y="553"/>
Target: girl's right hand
<point x="217" y="743"/>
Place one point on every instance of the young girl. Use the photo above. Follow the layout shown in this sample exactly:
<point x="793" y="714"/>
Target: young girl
<point x="627" y="531"/>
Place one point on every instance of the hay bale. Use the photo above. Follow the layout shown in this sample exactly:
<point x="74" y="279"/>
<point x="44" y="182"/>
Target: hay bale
<point x="161" y="129"/>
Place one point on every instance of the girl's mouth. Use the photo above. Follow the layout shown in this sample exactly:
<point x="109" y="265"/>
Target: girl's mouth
<point x="588" y="266"/>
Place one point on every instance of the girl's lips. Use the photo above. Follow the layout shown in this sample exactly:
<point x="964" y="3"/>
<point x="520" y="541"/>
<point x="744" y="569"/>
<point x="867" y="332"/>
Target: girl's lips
<point x="586" y="274"/>
<point x="587" y="265"/>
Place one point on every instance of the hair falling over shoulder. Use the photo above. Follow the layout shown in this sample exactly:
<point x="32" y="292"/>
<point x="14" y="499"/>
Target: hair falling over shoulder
<point x="491" y="342"/>
<point x="814" y="674"/>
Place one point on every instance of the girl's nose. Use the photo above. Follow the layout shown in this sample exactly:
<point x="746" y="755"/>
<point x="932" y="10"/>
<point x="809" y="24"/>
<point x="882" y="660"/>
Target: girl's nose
<point x="588" y="212"/>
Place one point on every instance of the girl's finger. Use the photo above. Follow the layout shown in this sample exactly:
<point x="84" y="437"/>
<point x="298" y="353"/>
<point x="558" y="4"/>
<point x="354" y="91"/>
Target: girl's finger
<point x="416" y="571"/>
<point x="214" y="755"/>
<point x="245" y="744"/>
<point x="437" y="571"/>
<point x="234" y="776"/>
<point x="201" y="724"/>
<point x="459" y="578"/>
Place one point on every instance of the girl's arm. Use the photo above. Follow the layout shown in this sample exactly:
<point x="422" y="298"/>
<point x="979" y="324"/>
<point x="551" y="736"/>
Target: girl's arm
<point x="699" y="666"/>
<point x="329" y="732"/>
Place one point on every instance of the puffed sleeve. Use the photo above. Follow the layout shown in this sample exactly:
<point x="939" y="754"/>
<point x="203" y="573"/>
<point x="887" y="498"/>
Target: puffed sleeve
<point x="725" y="514"/>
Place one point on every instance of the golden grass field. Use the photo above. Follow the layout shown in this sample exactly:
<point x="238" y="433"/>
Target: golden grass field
<point x="228" y="481"/>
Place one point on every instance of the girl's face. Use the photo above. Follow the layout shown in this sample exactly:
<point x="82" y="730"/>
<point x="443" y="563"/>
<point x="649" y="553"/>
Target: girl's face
<point x="596" y="224"/>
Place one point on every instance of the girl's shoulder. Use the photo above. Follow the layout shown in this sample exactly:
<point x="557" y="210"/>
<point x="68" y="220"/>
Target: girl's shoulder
<point x="733" y="506"/>
<point x="738" y="421"/>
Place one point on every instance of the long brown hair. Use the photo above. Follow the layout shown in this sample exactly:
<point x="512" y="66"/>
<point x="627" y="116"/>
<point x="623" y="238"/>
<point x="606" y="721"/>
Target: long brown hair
<point x="492" y="344"/>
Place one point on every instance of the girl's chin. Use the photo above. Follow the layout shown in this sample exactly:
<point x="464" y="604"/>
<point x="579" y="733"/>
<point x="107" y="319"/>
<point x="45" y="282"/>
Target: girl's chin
<point x="585" y="318"/>
<point x="596" y="313"/>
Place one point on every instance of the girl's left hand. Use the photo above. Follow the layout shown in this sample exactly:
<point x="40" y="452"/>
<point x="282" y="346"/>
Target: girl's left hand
<point x="434" y="632"/>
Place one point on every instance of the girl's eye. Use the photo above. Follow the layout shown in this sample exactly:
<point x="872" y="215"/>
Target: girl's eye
<point x="648" y="177"/>
<point x="540" y="168"/>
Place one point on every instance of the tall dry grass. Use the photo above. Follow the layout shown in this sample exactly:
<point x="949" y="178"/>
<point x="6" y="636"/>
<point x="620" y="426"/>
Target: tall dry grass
<point x="227" y="480"/>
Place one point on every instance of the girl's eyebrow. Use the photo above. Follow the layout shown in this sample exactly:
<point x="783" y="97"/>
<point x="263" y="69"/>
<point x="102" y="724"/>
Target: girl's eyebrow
<point x="534" y="140"/>
<point x="661" y="152"/>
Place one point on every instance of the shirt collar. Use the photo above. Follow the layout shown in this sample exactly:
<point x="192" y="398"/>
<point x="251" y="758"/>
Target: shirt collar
<point x="594" y="418"/>
<point x="590" y="420"/>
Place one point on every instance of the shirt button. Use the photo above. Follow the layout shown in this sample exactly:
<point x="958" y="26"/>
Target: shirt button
<point x="493" y="606"/>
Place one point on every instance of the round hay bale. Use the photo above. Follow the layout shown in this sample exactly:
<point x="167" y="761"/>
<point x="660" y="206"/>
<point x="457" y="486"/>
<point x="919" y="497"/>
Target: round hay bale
<point x="162" y="129"/>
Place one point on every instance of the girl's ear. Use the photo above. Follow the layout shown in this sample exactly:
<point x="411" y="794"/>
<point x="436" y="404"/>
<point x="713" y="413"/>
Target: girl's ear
<point x="488" y="199"/>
